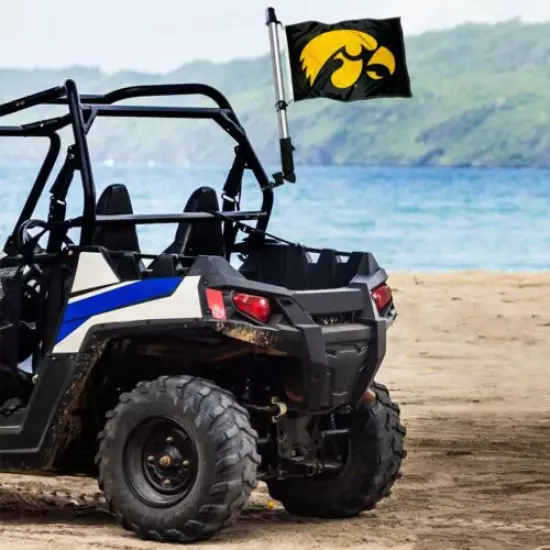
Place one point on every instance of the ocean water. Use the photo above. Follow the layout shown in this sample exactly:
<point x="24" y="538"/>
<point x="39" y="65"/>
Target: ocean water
<point x="412" y="219"/>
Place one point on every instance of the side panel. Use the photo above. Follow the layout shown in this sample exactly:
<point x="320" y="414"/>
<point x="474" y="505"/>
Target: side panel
<point x="98" y="297"/>
<point x="98" y="303"/>
<point x="147" y="300"/>
<point x="92" y="271"/>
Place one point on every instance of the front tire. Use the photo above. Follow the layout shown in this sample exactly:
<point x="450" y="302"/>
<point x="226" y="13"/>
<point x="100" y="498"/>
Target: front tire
<point x="376" y="452"/>
<point x="177" y="459"/>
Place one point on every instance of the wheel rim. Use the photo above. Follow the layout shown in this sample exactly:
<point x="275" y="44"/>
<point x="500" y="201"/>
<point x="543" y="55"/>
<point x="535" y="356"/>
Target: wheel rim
<point x="161" y="462"/>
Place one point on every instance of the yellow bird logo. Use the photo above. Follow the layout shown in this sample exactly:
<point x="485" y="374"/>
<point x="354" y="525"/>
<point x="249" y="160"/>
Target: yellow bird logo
<point x="347" y="46"/>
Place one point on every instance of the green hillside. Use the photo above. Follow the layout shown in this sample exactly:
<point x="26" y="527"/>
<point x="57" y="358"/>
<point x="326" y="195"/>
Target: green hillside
<point x="481" y="98"/>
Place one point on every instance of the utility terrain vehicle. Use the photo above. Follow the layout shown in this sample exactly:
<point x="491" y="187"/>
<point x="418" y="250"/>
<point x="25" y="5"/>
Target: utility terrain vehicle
<point x="177" y="379"/>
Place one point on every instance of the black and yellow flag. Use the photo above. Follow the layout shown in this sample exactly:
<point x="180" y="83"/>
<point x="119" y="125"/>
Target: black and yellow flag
<point x="348" y="61"/>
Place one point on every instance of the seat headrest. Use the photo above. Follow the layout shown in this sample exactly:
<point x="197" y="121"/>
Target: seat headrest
<point x="115" y="200"/>
<point x="202" y="199"/>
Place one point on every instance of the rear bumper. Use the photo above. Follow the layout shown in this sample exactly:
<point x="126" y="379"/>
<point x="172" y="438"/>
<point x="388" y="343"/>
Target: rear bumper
<point x="338" y="360"/>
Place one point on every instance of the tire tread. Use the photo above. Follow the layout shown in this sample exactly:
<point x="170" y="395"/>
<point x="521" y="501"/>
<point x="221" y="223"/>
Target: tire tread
<point x="368" y="488"/>
<point x="237" y="457"/>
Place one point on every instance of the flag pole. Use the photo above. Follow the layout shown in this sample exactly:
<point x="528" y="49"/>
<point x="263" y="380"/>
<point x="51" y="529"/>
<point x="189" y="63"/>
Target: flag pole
<point x="285" y="142"/>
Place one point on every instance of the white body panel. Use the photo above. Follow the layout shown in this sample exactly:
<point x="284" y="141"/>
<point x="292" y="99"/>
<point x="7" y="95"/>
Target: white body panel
<point x="93" y="271"/>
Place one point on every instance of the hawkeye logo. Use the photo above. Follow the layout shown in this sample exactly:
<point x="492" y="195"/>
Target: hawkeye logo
<point x="348" y="46"/>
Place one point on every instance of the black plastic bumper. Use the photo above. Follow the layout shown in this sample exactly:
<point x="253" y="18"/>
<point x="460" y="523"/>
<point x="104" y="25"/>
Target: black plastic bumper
<point x="338" y="361"/>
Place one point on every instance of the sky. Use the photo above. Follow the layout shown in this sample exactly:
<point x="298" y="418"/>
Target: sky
<point x="161" y="35"/>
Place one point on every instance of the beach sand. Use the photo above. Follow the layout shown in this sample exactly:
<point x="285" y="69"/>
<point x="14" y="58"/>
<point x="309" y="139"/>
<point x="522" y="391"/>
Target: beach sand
<point x="469" y="362"/>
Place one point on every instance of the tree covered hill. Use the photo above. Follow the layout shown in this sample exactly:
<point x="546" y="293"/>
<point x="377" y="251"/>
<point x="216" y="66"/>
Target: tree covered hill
<point x="481" y="98"/>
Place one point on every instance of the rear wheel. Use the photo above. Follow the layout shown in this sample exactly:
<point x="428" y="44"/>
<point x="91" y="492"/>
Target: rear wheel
<point x="375" y="452"/>
<point x="177" y="459"/>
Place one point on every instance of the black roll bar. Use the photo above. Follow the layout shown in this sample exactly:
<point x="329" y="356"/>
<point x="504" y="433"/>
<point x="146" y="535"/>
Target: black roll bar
<point x="45" y="96"/>
<point x="79" y="131"/>
<point x="148" y="219"/>
<point x="83" y="110"/>
<point x="151" y="90"/>
<point x="38" y="186"/>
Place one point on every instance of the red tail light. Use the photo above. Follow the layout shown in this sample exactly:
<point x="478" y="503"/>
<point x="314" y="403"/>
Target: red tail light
<point x="214" y="299"/>
<point x="382" y="296"/>
<point x="255" y="306"/>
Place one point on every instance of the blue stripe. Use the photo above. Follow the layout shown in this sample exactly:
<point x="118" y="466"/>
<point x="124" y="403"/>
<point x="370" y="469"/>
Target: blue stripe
<point x="79" y="312"/>
<point x="67" y="327"/>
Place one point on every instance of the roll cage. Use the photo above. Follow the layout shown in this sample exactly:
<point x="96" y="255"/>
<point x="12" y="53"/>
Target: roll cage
<point x="83" y="111"/>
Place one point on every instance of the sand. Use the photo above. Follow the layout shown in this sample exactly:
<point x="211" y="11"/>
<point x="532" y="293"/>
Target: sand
<point x="469" y="362"/>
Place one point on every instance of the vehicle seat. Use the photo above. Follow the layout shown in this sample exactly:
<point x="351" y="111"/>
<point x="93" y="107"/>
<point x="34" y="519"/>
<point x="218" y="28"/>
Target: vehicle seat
<point x="199" y="238"/>
<point x="115" y="200"/>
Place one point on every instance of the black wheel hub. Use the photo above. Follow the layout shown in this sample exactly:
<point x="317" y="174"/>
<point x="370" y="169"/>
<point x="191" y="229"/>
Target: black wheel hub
<point x="161" y="462"/>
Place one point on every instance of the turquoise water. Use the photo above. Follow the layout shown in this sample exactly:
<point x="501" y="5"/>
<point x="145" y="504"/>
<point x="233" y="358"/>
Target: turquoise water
<point x="413" y="219"/>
